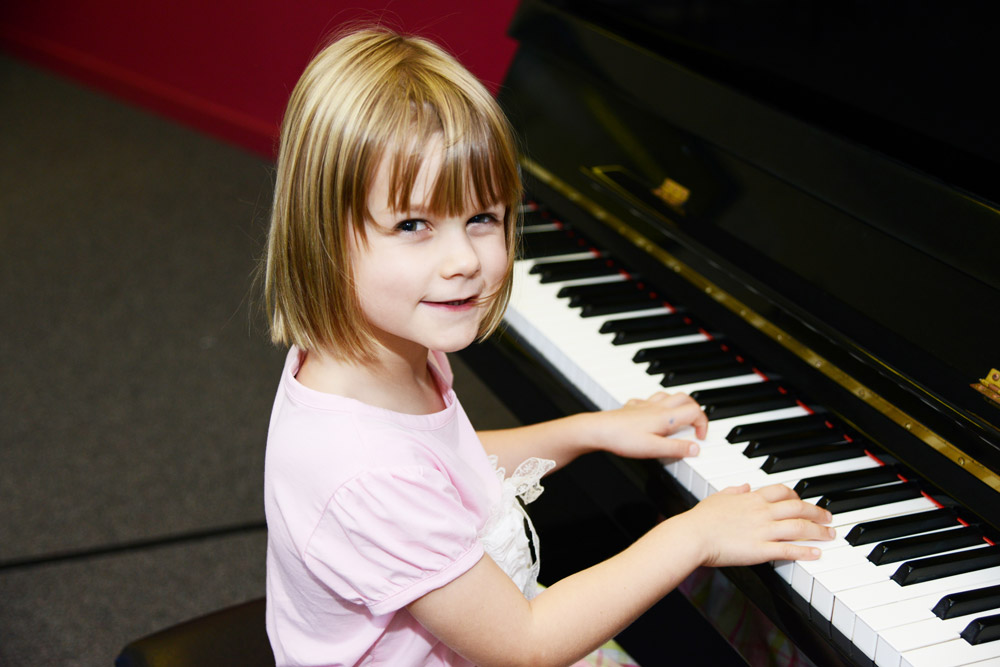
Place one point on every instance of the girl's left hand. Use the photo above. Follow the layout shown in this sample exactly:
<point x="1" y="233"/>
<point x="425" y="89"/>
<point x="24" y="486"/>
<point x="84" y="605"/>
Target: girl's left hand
<point x="641" y="428"/>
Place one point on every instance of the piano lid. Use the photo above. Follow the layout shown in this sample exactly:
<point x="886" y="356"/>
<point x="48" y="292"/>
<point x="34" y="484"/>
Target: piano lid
<point x="797" y="200"/>
<point x="910" y="79"/>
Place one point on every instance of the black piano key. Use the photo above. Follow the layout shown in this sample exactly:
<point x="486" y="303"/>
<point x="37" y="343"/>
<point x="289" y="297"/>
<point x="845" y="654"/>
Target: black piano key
<point x="967" y="602"/>
<point x="722" y="369"/>
<point x="785" y="443"/>
<point x="762" y="404"/>
<point x="946" y="565"/>
<point x="629" y="294"/>
<point x="900" y="526"/>
<point x="611" y="306"/>
<point x="691" y="363"/>
<point x="822" y="485"/>
<point x="739" y="393"/>
<point x="856" y="499"/>
<point x="743" y="399"/>
<point x="650" y="327"/>
<point x="535" y="216"/>
<point x="551" y="272"/>
<point x="613" y="287"/>
<point x="811" y="457"/>
<point x="687" y="351"/>
<point x="926" y="544"/>
<point x="552" y="243"/>
<point x="622" y="338"/>
<point x="982" y="630"/>
<point x="747" y="432"/>
<point x="645" y="323"/>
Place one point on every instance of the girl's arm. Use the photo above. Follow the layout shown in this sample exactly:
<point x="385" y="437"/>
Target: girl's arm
<point x="639" y="429"/>
<point x="483" y="616"/>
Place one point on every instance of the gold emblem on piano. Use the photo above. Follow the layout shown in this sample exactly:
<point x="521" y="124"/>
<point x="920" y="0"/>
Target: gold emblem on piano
<point x="989" y="386"/>
<point x="673" y="194"/>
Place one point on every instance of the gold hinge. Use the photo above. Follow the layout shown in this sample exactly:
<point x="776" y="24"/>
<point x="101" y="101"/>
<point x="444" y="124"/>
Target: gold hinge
<point x="989" y="386"/>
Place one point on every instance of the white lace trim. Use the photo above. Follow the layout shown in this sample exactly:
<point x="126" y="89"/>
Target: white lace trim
<point x="503" y="537"/>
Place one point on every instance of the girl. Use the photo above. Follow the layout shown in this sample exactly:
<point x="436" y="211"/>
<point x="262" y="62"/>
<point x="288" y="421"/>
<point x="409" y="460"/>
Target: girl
<point x="394" y="533"/>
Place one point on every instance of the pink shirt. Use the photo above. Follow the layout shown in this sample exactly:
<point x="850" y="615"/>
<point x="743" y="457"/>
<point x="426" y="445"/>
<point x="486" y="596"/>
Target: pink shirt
<point x="367" y="510"/>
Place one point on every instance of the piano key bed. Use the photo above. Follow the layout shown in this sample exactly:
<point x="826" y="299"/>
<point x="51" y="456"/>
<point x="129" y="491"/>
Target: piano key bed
<point x="910" y="580"/>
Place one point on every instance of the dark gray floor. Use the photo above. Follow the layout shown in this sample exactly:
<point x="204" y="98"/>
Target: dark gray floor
<point x="135" y="375"/>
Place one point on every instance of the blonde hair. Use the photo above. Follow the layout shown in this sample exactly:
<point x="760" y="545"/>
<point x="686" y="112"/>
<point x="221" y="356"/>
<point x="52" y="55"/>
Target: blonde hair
<point x="370" y="96"/>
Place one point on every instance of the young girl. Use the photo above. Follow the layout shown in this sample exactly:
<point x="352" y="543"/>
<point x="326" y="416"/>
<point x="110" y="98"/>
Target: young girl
<point x="394" y="532"/>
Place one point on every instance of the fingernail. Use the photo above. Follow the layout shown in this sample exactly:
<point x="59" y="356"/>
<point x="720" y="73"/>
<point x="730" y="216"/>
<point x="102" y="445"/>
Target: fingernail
<point x="832" y="532"/>
<point x="815" y="553"/>
<point x="829" y="516"/>
<point x="693" y="449"/>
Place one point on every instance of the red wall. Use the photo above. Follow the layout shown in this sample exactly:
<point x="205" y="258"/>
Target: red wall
<point x="227" y="66"/>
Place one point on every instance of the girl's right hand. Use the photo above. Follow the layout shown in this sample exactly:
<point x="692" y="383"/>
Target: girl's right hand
<point x="737" y="526"/>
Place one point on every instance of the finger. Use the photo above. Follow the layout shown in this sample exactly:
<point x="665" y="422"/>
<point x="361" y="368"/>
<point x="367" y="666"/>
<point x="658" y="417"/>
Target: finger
<point x="786" y="551"/>
<point x="735" y="490"/>
<point x="686" y="414"/>
<point x="776" y="493"/>
<point x="672" y="400"/>
<point x="659" y="397"/>
<point x="675" y="448"/>
<point x="802" y="530"/>
<point x="701" y="425"/>
<point x="798" y="509"/>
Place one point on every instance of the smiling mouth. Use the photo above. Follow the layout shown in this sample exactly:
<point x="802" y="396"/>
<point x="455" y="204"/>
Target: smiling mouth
<point x="468" y="301"/>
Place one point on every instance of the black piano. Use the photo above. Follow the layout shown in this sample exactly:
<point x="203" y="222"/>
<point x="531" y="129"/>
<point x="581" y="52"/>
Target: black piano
<point x="788" y="210"/>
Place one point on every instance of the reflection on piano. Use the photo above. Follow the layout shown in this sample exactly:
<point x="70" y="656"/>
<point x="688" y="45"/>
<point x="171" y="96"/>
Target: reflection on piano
<point x="828" y="305"/>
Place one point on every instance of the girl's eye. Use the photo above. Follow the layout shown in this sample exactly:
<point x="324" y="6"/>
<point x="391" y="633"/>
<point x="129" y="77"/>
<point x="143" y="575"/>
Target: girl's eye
<point x="412" y="226"/>
<point x="484" y="217"/>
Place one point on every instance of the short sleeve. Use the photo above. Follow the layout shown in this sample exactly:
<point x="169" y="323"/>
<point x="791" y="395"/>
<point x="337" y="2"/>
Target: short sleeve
<point x="389" y="536"/>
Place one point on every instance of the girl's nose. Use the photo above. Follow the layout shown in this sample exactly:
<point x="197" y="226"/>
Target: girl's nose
<point x="459" y="257"/>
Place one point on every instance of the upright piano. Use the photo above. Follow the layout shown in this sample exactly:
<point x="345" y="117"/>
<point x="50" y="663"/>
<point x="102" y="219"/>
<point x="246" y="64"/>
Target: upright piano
<point x="787" y="210"/>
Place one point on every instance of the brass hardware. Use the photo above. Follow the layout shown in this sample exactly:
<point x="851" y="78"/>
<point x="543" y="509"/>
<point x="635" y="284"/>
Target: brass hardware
<point x="989" y="386"/>
<point x="673" y="194"/>
<point x="835" y="374"/>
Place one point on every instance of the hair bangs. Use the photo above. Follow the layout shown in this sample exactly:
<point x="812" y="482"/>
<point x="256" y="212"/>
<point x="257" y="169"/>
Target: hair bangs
<point x="477" y="167"/>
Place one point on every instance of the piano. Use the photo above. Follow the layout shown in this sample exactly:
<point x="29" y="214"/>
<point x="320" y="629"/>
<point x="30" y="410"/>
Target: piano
<point x="712" y="208"/>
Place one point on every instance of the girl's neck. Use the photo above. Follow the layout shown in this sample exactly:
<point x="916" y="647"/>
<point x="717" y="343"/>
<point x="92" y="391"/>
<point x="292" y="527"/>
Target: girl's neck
<point x="391" y="382"/>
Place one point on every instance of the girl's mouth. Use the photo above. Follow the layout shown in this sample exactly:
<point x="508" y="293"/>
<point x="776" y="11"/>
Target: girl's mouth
<point x="459" y="303"/>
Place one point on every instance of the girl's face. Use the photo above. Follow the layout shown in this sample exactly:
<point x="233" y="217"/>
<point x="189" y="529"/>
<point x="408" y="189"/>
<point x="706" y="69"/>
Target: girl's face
<point x="424" y="280"/>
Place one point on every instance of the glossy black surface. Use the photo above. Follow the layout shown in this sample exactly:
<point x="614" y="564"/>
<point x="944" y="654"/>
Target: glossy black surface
<point x="880" y="264"/>
<point x="891" y="267"/>
<point x="968" y="602"/>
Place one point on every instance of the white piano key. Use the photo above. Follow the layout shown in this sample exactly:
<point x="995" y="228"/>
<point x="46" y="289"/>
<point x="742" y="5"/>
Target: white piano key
<point x="893" y="642"/>
<point x="785" y="569"/>
<point x="804" y="572"/>
<point x="828" y="586"/>
<point x="852" y="602"/>
<point x="712" y="479"/>
<point x="606" y="374"/>
<point x="526" y="264"/>
<point x="954" y="653"/>
<point x="758" y="478"/>
<point x="871" y="623"/>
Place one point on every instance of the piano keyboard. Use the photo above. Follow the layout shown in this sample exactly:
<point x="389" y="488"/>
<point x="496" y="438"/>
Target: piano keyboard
<point x="908" y="582"/>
